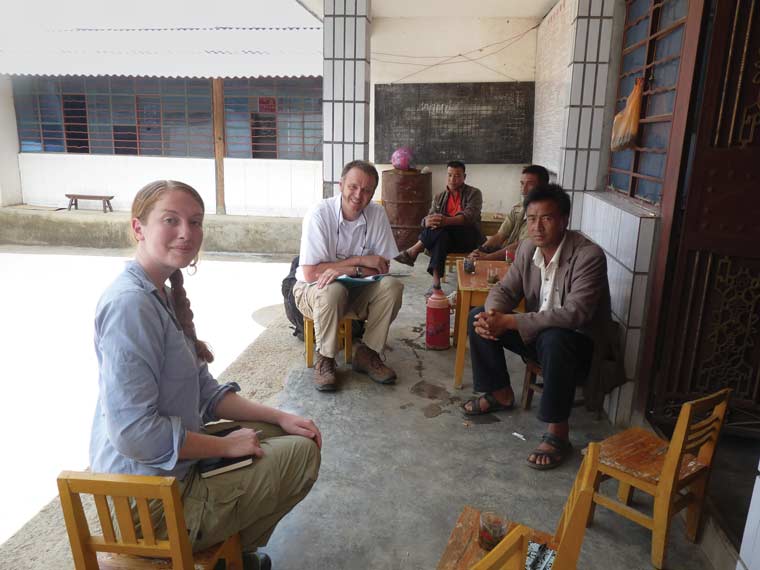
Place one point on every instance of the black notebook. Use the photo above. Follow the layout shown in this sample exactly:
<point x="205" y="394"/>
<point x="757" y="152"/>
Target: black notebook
<point x="217" y="465"/>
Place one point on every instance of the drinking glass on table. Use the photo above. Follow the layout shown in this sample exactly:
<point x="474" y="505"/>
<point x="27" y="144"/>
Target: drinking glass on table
<point x="492" y="275"/>
<point x="492" y="529"/>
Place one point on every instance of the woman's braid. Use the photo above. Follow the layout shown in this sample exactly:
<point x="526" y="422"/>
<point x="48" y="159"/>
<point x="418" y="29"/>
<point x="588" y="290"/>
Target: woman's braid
<point x="185" y="315"/>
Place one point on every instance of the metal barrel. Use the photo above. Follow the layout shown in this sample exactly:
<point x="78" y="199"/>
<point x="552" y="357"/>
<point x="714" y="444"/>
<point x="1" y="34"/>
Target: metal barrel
<point x="406" y="195"/>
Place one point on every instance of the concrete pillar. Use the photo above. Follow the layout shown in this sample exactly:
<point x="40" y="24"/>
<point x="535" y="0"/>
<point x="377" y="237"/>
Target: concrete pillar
<point x="345" y="87"/>
<point x="10" y="179"/>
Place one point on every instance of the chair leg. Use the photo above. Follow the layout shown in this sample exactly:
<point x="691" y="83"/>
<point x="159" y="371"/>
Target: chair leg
<point x="527" y="392"/>
<point x="662" y="511"/>
<point x="625" y="493"/>
<point x="694" y="510"/>
<point x="308" y="341"/>
<point x="595" y="483"/>
<point x="348" y="339"/>
<point x="233" y="553"/>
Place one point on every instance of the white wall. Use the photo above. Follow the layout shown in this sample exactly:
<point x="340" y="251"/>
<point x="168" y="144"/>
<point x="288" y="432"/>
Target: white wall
<point x="10" y="182"/>
<point x="46" y="178"/>
<point x="447" y="36"/>
<point x="271" y="187"/>
<point x="554" y="47"/>
<point x="252" y="186"/>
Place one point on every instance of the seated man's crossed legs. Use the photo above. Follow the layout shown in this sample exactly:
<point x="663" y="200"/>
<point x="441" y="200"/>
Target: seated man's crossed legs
<point x="440" y="242"/>
<point x="376" y="303"/>
<point x="565" y="358"/>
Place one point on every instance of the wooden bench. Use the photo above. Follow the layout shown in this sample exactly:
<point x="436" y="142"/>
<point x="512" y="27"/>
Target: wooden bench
<point x="74" y="200"/>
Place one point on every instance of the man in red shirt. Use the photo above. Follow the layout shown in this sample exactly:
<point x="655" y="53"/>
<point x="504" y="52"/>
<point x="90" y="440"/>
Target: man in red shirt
<point x="453" y="224"/>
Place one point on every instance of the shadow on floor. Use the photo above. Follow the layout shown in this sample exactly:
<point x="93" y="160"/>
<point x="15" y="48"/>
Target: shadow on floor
<point x="732" y="481"/>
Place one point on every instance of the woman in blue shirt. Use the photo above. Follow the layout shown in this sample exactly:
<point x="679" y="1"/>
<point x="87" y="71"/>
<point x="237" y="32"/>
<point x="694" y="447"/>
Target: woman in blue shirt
<point x="156" y="393"/>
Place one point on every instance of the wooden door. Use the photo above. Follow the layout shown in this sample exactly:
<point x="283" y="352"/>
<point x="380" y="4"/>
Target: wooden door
<point x="711" y="329"/>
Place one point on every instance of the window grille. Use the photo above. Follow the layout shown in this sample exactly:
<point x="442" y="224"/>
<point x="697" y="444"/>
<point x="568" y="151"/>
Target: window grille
<point x="273" y="118"/>
<point x="652" y="45"/>
<point x="115" y="115"/>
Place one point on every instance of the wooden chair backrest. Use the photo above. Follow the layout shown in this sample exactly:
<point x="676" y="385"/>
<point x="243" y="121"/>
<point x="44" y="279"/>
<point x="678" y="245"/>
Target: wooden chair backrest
<point x="121" y="489"/>
<point x="696" y="432"/>
<point x="572" y="524"/>
<point x="509" y="554"/>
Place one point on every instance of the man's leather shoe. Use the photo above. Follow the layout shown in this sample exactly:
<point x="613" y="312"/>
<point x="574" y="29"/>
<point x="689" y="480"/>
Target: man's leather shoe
<point x="368" y="361"/>
<point x="256" y="561"/>
<point x="324" y="374"/>
<point x="251" y="561"/>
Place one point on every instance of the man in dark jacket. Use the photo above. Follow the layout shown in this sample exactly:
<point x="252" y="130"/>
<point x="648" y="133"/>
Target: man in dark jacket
<point x="563" y="278"/>
<point x="453" y="224"/>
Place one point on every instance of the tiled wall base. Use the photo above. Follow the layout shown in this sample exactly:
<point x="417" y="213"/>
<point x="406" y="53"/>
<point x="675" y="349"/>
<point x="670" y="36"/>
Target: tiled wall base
<point x="627" y="234"/>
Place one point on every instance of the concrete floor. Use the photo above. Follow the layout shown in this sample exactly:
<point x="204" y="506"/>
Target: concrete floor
<point x="47" y="303"/>
<point x="400" y="462"/>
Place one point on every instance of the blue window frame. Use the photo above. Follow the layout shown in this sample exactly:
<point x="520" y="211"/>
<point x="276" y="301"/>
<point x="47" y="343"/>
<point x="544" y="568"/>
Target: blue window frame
<point x="115" y="115"/>
<point x="273" y="118"/>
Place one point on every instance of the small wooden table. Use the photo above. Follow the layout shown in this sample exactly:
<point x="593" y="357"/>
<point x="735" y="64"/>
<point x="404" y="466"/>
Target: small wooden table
<point x="472" y="290"/>
<point x="74" y="200"/>
<point x="463" y="550"/>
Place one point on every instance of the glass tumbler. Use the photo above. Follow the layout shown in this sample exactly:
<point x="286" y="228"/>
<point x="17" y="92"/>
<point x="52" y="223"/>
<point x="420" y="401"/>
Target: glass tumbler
<point x="492" y="529"/>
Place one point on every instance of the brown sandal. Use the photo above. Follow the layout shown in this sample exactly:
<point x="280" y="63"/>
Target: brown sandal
<point x="493" y="406"/>
<point x="562" y="450"/>
<point x="405" y="258"/>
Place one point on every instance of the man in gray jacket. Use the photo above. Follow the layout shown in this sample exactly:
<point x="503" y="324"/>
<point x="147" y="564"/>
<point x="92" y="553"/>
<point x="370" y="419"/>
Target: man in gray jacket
<point x="563" y="278"/>
<point x="452" y="225"/>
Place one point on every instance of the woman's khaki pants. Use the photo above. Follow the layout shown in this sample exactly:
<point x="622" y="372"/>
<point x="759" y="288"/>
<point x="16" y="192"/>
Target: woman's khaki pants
<point x="253" y="499"/>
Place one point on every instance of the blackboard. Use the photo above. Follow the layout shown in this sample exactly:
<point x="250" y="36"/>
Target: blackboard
<point x="480" y="123"/>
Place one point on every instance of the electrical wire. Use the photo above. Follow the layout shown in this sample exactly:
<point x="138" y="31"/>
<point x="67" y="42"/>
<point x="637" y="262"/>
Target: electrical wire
<point x="518" y="35"/>
<point x="447" y="61"/>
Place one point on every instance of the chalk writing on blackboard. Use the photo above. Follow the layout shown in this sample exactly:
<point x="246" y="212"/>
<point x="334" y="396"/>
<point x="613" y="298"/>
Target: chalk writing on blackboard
<point x="486" y="123"/>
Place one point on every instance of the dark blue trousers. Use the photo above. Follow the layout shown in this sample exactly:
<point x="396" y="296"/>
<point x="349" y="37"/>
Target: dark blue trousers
<point x="442" y="241"/>
<point x="564" y="355"/>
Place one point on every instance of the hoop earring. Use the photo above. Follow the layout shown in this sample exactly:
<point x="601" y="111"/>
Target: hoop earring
<point x="192" y="268"/>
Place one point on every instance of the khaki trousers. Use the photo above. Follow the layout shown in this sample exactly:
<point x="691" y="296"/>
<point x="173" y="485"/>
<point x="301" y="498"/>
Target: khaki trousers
<point x="251" y="500"/>
<point x="376" y="303"/>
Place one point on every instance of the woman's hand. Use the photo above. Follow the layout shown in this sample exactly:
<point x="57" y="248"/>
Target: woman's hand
<point x="242" y="442"/>
<point x="296" y="425"/>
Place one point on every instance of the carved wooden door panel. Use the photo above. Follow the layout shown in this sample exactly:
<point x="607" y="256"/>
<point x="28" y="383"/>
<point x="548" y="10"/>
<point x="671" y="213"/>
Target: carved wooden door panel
<point x="712" y="337"/>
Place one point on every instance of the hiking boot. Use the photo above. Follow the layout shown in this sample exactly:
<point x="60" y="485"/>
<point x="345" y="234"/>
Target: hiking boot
<point x="368" y="361"/>
<point x="251" y="561"/>
<point x="256" y="561"/>
<point x="324" y="374"/>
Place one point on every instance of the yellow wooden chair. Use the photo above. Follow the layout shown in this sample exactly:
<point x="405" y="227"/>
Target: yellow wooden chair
<point x="510" y="553"/>
<point x="343" y="338"/>
<point x="568" y="538"/>
<point x="531" y="385"/>
<point x="462" y="549"/>
<point x="675" y="473"/>
<point x="129" y="548"/>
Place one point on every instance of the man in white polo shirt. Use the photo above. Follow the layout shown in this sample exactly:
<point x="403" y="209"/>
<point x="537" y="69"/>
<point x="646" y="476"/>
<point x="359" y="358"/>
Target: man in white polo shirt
<point x="348" y="235"/>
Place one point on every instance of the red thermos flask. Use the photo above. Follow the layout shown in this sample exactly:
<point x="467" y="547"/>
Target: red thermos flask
<point x="437" y="322"/>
